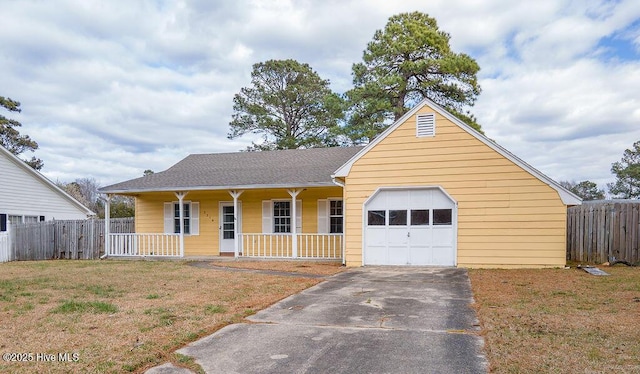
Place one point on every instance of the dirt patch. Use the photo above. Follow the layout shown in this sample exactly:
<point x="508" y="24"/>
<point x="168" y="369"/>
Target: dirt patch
<point x="123" y="316"/>
<point x="559" y="321"/>
<point x="306" y="267"/>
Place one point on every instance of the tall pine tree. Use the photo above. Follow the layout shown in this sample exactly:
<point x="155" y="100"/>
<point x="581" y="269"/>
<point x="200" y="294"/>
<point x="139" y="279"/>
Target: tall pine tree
<point x="10" y="137"/>
<point x="409" y="60"/>
<point x="288" y="104"/>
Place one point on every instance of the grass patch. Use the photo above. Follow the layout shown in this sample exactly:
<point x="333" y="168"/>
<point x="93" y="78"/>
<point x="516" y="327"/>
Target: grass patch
<point x="249" y="312"/>
<point x="165" y="316"/>
<point x="125" y="316"/>
<point x="26" y="307"/>
<point x="214" y="309"/>
<point x="102" y="291"/>
<point x="8" y="290"/>
<point x="301" y="267"/>
<point x="188" y="362"/>
<point x="559" y="321"/>
<point x="72" y="306"/>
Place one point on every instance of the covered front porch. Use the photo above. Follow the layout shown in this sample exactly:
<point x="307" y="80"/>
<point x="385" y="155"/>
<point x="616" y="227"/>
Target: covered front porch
<point x="197" y="223"/>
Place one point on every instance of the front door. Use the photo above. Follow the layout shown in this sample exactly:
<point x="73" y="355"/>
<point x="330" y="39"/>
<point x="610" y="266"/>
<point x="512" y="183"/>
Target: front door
<point x="227" y="226"/>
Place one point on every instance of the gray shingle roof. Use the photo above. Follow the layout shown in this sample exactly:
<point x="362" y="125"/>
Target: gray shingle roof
<point x="285" y="168"/>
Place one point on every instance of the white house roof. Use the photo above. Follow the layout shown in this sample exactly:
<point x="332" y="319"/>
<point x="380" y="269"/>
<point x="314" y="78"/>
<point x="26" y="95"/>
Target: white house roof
<point x="568" y="198"/>
<point x="45" y="181"/>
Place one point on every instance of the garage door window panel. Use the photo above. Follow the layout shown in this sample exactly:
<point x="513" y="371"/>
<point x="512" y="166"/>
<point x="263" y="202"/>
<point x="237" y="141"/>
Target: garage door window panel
<point x="397" y="218"/>
<point x="442" y="217"/>
<point x="420" y="217"/>
<point x="376" y="218"/>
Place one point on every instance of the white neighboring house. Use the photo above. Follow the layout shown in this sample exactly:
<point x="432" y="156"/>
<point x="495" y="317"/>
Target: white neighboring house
<point x="27" y="196"/>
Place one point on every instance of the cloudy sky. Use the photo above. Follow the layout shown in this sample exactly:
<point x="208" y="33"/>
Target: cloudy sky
<point x="111" y="88"/>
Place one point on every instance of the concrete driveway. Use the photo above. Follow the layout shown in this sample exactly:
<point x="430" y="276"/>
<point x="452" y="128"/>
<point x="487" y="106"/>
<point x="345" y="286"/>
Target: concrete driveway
<point x="365" y="320"/>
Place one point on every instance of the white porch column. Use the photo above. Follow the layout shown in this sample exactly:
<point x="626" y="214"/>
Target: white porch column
<point x="294" y="220"/>
<point x="344" y="211"/>
<point x="107" y="225"/>
<point x="180" y="195"/>
<point x="236" y="244"/>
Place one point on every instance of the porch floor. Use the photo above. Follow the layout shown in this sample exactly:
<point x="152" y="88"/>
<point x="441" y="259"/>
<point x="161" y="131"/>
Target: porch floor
<point x="222" y="258"/>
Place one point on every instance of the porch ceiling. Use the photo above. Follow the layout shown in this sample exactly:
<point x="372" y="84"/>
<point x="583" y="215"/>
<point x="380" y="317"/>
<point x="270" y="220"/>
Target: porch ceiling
<point x="215" y="188"/>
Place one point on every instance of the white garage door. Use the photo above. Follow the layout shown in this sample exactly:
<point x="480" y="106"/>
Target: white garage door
<point x="410" y="227"/>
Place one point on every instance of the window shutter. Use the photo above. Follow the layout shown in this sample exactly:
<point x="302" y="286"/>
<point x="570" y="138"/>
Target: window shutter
<point x="267" y="216"/>
<point x="195" y="218"/>
<point x="168" y="218"/>
<point x="426" y="125"/>
<point x="299" y="216"/>
<point x="323" y="216"/>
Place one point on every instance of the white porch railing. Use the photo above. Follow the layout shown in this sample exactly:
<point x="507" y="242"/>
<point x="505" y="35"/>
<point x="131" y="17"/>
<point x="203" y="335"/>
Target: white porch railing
<point x="311" y="246"/>
<point x="266" y="245"/>
<point x="5" y="247"/>
<point x="167" y="245"/>
<point x="320" y="246"/>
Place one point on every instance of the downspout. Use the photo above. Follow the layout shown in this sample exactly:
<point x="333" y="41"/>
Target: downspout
<point x="107" y="226"/>
<point x="341" y="184"/>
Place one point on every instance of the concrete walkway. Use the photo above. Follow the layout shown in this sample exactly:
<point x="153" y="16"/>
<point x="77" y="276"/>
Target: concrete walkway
<point x="365" y="320"/>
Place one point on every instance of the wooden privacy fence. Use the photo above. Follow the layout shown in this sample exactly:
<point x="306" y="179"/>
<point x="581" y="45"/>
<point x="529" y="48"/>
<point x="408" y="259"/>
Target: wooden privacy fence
<point x="599" y="231"/>
<point x="76" y="239"/>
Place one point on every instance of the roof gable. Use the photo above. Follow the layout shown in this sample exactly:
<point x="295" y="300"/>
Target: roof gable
<point x="567" y="197"/>
<point x="41" y="179"/>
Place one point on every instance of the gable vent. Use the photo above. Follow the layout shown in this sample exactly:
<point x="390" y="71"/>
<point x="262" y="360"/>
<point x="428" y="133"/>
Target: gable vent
<point x="426" y="124"/>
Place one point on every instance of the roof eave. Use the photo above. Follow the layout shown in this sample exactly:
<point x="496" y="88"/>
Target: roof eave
<point x="215" y="188"/>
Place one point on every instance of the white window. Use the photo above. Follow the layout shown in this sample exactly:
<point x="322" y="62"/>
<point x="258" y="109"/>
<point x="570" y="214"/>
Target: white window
<point x="330" y="216"/>
<point x="30" y="219"/>
<point x="426" y="125"/>
<point x="15" y="219"/>
<point x="186" y="217"/>
<point x="276" y="216"/>
<point x="282" y="216"/>
<point x="335" y="217"/>
<point x="190" y="215"/>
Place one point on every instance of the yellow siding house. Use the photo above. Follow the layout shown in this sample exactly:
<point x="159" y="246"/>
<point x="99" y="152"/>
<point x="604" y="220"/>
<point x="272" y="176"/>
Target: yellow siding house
<point x="428" y="191"/>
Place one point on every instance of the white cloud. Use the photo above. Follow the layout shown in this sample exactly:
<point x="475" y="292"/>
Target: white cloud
<point x="568" y="122"/>
<point x="109" y="89"/>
